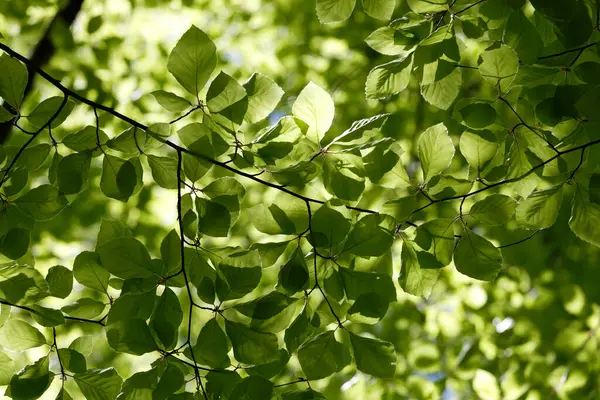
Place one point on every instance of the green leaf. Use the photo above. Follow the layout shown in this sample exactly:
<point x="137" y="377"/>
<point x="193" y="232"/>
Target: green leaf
<point x="367" y="238"/>
<point x="170" y="381"/>
<point x="72" y="360"/>
<point x="263" y="96"/>
<point x="250" y="346"/>
<point x="193" y="60"/>
<point x="63" y="395"/>
<point x="131" y="140"/>
<point x="4" y="314"/>
<point x="200" y="140"/>
<point x="33" y="157"/>
<point x="357" y="283"/>
<point x="315" y="107"/>
<point x="170" y="101"/>
<point x="84" y="308"/>
<point x="298" y="331"/>
<point x="164" y="171"/>
<point x="540" y="210"/>
<point x="12" y="81"/>
<point x="270" y="252"/>
<point x="478" y="148"/>
<point x="211" y="347"/>
<point x="22" y="284"/>
<point x="389" y="79"/>
<point x="83" y="344"/>
<point x="238" y="275"/>
<point x="60" y="281"/>
<point x="384" y="41"/>
<point x="133" y="303"/>
<point x="435" y="150"/>
<point x="486" y="386"/>
<point x="214" y="219"/>
<point x="5" y="116"/>
<point x="220" y="384"/>
<point x="420" y="6"/>
<point x="381" y="9"/>
<point x="334" y="10"/>
<point x="7" y="368"/>
<point x="523" y="37"/>
<point x="159" y="132"/>
<point x="588" y="72"/>
<point x="271" y="219"/>
<point x="266" y="306"/>
<point x="373" y="356"/>
<point x="475" y="114"/>
<point x="94" y="24"/>
<point x="223" y="92"/>
<point x="522" y="161"/>
<point x="252" y="387"/>
<point x="585" y="217"/>
<point x="126" y="258"/>
<point x="86" y="139"/>
<point x="17" y="179"/>
<point x="273" y="368"/>
<point x="499" y="66"/>
<point x="436" y="237"/>
<point x="476" y="257"/>
<point x="111" y="229"/>
<point x="120" y="178"/>
<point x="443" y="90"/>
<point x="47" y="316"/>
<point x="576" y="30"/>
<point x="226" y="191"/>
<point x="15" y="243"/>
<point x="323" y="356"/>
<point x="444" y="186"/>
<point x="53" y="170"/>
<point x="496" y="209"/>
<point x="329" y="227"/>
<point x="32" y="381"/>
<point x="47" y="109"/>
<point x="131" y="336"/>
<point x="293" y="275"/>
<point x="18" y="335"/>
<point x="88" y="270"/>
<point x="340" y="178"/>
<point x="170" y="251"/>
<point x="419" y="272"/>
<point x="73" y="171"/>
<point x="42" y="203"/>
<point x="369" y="308"/>
<point x="98" y="384"/>
<point x="166" y="318"/>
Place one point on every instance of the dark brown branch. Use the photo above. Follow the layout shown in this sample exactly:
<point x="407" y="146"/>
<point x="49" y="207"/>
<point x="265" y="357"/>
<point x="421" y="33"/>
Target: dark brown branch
<point x="567" y="51"/>
<point x="43" y="52"/>
<point x="520" y="241"/>
<point x="469" y="7"/>
<point x="299" y="380"/>
<point x="99" y="322"/>
<point x="185" y="277"/>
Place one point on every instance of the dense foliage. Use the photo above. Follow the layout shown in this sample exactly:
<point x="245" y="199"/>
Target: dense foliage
<point x="276" y="231"/>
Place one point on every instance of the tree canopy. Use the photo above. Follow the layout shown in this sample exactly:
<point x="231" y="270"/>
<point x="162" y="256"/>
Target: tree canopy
<point x="252" y="199"/>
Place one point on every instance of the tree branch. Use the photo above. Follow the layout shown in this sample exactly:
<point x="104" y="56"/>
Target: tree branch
<point x="43" y="52"/>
